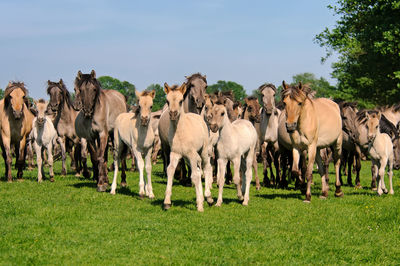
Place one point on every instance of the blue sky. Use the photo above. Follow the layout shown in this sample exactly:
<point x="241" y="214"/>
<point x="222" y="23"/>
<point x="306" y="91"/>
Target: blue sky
<point x="145" y="42"/>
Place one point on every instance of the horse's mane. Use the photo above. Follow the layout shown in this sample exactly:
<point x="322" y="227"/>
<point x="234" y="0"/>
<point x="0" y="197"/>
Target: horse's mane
<point x="252" y="98"/>
<point x="189" y="82"/>
<point x="64" y="91"/>
<point x="387" y="127"/>
<point x="88" y="78"/>
<point x="11" y="87"/>
<point x="267" y="85"/>
<point x="236" y="104"/>
<point x="279" y="105"/>
<point x="344" y="104"/>
<point x="294" y="91"/>
<point x="361" y="116"/>
<point x="41" y="100"/>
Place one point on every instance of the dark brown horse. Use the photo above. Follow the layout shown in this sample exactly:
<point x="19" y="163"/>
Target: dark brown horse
<point x="61" y="106"/>
<point x="96" y="120"/>
<point x="16" y="124"/>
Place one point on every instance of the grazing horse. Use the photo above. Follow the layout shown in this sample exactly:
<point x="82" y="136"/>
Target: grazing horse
<point x="187" y="138"/>
<point x="193" y="102"/>
<point x="381" y="151"/>
<point x="44" y="137"/>
<point x="96" y="120"/>
<point x="16" y="125"/>
<point x="135" y="131"/>
<point x="61" y="106"/>
<point x="237" y="143"/>
<point x="313" y="124"/>
<point x="251" y="112"/>
<point x="269" y="134"/>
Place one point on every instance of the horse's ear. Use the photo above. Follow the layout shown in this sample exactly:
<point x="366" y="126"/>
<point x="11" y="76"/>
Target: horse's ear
<point x="182" y="88"/>
<point x="93" y="74"/>
<point x="379" y="115"/>
<point x="284" y="85"/>
<point x="205" y="76"/>
<point x="48" y="82"/>
<point x="138" y="94"/>
<point x="167" y="89"/>
<point x="206" y="96"/>
<point x="61" y="82"/>
<point x="79" y="75"/>
<point x="153" y="94"/>
<point x="300" y="85"/>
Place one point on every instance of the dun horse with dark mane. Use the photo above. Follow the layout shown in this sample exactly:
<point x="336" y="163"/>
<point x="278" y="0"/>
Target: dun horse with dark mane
<point x="16" y="124"/>
<point x="96" y="120"/>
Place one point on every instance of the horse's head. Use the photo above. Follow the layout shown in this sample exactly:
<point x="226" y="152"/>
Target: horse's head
<point x="253" y="109"/>
<point x="237" y="110"/>
<point x="15" y="96"/>
<point x="348" y="113"/>
<point x="293" y="98"/>
<point x="196" y="90"/>
<point x="218" y="114"/>
<point x="175" y="99"/>
<point x="208" y="104"/>
<point x="268" y="92"/>
<point x="41" y="107"/>
<point x="87" y="91"/>
<point x="372" y="124"/>
<point x="145" y="100"/>
<point x="55" y="91"/>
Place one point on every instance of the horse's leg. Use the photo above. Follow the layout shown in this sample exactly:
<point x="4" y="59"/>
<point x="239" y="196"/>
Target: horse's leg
<point x="390" y="174"/>
<point x="156" y="149"/>
<point x="61" y="141"/>
<point x="21" y="148"/>
<point x="31" y="162"/>
<point x="93" y="158"/>
<point x="382" y="165"/>
<point x="7" y="155"/>
<point x="117" y="158"/>
<point x="247" y="176"/>
<point x="103" y="179"/>
<point x="350" y="160"/>
<point x="358" y="166"/>
<point x="236" y="177"/>
<point x="78" y="158"/>
<point x="221" y="179"/>
<point x="208" y="178"/>
<point x="322" y="173"/>
<point x="295" y="172"/>
<point x="50" y="161"/>
<point x="312" y="150"/>
<point x="38" y="151"/>
<point x="264" y="155"/>
<point x="337" y="151"/>
<point x="229" y="175"/>
<point x="195" y="164"/>
<point x="255" y="167"/>
<point x="374" y="173"/>
<point x="148" y="165"/>
<point x="140" y="166"/>
<point x="174" y="160"/>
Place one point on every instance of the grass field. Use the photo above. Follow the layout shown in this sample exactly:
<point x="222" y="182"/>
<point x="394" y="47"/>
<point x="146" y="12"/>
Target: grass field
<point x="68" y="222"/>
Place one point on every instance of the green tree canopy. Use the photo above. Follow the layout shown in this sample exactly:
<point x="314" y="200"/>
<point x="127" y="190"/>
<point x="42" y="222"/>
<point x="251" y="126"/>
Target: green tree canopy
<point x="159" y="99"/>
<point x="1" y="94"/>
<point x="222" y="85"/>
<point x="367" y="38"/>
<point x="124" y="87"/>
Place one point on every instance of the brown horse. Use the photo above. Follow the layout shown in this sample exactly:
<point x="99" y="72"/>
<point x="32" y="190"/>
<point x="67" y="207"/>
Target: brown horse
<point x="16" y="124"/>
<point x="313" y="124"/>
<point x="61" y="106"/>
<point x="96" y="120"/>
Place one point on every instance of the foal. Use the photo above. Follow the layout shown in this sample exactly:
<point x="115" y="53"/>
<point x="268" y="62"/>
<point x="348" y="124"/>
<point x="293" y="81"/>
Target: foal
<point x="44" y="137"/>
<point x="187" y="138"/>
<point x="135" y="131"/>
<point x="237" y="142"/>
<point x="380" y="149"/>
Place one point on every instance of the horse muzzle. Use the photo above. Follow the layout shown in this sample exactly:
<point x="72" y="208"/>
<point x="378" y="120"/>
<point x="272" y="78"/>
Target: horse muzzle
<point x="17" y="114"/>
<point x="144" y="121"/>
<point x="291" y="127"/>
<point x="214" y="128"/>
<point x="268" y="111"/>
<point x="173" y="115"/>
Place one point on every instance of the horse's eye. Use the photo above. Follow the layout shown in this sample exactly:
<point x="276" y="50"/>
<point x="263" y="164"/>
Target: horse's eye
<point x="299" y="104"/>
<point x="180" y="102"/>
<point x="167" y="102"/>
<point x="344" y="118"/>
<point x="223" y="113"/>
<point x="206" y="108"/>
<point x="376" y="127"/>
<point x="249" y="109"/>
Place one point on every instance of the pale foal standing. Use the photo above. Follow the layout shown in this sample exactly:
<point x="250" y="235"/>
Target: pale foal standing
<point x="134" y="131"/>
<point x="236" y="142"/>
<point x="44" y="136"/>
<point x="188" y="138"/>
<point x="380" y="148"/>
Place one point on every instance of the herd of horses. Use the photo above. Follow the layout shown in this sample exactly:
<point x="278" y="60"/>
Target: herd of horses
<point x="199" y="135"/>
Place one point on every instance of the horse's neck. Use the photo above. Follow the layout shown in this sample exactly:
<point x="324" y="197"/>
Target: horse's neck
<point x="174" y="123"/>
<point x="226" y="129"/>
<point x="307" y="116"/>
<point x="392" y="116"/>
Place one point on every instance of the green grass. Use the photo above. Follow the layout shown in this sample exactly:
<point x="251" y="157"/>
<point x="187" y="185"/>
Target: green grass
<point x="68" y="222"/>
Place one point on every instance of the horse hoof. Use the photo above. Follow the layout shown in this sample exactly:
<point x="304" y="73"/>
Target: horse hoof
<point x="210" y="201"/>
<point x="51" y="179"/>
<point x="218" y="204"/>
<point x="306" y="201"/>
<point x="77" y="175"/>
<point x="63" y="172"/>
<point x="200" y="209"/>
<point x="245" y="203"/>
<point x="141" y="196"/>
<point x="112" y="192"/>
<point x="374" y="189"/>
<point x="167" y="206"/>
<point x="151" y="197"/>
<point x="385" y="191"/>
<point x="258" y="187"/>
<point x="102" y="188"/>
<point x="322" y="197"/>
<point x="241" y="198"/>
<point x="358" y="186"/>
<point x="86" y="175"/>
<point x="123" y="184"/>
<point x="339" y="194"/>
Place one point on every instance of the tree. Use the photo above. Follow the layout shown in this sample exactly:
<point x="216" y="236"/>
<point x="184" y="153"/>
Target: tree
<point x="124" y="87"/>
<point x="159" y="100"/>
<point x="221" y="85"/>
<point x="367" y="38"/>
<point x="1" y="94"/>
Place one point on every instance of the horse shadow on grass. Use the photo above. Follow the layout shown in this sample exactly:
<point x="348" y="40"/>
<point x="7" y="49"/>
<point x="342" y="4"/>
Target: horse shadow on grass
<point x="282" y="196"/>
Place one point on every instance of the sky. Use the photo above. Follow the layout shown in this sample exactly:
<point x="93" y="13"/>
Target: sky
<point x="145" y="42"/>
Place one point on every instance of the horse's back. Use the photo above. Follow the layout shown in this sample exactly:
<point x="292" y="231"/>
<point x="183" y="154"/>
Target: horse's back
<point x="116" y="105"/>
<point x="329" y="120"/>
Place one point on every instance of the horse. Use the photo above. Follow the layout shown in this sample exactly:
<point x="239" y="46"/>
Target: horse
<point x="269" y="134"/>
<point x="381" y="151"/>
<point x="237" y="143"/>
<point x="188" y="139"/>
<point x="313" y="124"/>
<point x="64" y="113"/>
<point x="193" y="102"/>
<point x="251" y="112"/>
<point x="96" y="120"/>
<point x="135" y="131"/>
<point x="44" y="137"/>
<point x="16" y="125"/>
